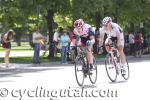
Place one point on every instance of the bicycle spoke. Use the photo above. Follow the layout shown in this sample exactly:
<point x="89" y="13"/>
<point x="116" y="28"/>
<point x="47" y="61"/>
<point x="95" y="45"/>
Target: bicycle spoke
<point x="93" y="72"/>
<point x="79" y="72"/>
<point x="110" y="68"/>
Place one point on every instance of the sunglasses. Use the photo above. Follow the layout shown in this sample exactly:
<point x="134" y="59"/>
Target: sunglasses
<point x="78" y="24"/>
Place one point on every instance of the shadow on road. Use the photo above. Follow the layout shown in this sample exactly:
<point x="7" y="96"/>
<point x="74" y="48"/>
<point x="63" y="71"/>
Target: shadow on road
<point x="13" y="72"/>
<point x="123" y="81"/>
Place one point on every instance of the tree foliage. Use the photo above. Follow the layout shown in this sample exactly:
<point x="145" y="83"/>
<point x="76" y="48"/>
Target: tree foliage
<point x="47" y="14"/>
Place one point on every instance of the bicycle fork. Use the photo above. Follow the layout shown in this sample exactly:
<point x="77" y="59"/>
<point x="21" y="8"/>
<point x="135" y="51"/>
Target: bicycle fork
<point x="85" y="67"/>
<point x="116" y="62"/>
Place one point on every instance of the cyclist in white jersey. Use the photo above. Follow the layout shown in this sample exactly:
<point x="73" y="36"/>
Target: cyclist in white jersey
<point x="86" y="34"/>
<point x="114" y="32"/>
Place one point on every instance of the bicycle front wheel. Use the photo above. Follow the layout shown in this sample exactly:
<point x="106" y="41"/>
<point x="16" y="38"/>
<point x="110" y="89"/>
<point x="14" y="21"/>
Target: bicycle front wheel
<point x="93" y="72"/>
<point x="127" y="71"/>
<point x="110" y="66"/>
<point x="79" y="71"/>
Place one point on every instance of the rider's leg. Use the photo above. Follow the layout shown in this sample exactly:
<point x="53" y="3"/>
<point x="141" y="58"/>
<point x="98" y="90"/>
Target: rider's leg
<point x="89" y="55"/>
<point x="122" y="55"/>
<point x="123" y="59"/>
<point x="108" y="41"/>
<point x="90" y="52"/>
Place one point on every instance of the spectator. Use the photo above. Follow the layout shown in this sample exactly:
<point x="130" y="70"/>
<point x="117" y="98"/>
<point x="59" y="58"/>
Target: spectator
<point x="142" y="43"/>
<point x="31" y="40"/>
<point x="138" y="44"/>
<point x="73" y="53"/>
<point x="36" y="40"/>
<point x="96" y="45"/>
<point x="56" y="38"/>
<point x="46" y="43"/>
<point x="0" y="39"/>
<point x="64" y="40"/>
<point x="148" y="38"/>
<point x="6" y="44"/>
<point x="145" y="44"/>
<point x="132" y="43"/>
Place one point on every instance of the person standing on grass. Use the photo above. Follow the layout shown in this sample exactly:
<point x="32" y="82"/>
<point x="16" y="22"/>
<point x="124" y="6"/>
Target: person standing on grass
<point x="132" y="43"/>
<point x="64" y="40"/>
<point x="138" y="44"/>
<point x="36" y="40"/>
<point x="6" y="44"/>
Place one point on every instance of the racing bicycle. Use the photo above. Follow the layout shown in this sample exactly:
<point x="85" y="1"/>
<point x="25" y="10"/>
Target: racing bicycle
<point x="113" y="64"/>
<point x="82" y="69"/>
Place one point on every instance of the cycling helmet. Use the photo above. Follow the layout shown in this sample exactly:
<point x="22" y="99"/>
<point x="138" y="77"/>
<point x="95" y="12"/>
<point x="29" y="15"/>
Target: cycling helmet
<point x="106" y="20"/>
<point x="78" y="23"/>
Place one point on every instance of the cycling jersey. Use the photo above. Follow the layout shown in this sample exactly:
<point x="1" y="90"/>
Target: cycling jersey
<point x="84" y="34"/>
<point x="113" y="33"/>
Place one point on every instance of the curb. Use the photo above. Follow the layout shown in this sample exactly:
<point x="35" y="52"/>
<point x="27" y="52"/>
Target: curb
<point x="55" y="64"/>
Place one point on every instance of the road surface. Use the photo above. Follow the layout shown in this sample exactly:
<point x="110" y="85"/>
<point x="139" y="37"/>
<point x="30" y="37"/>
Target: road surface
<point x="57" y="82"/>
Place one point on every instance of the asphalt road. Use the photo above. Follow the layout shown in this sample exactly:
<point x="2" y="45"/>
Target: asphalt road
<point x="57" y="82"/>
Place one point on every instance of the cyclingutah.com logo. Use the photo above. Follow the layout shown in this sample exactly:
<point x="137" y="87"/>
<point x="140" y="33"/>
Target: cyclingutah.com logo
<point x="57" y="94"/>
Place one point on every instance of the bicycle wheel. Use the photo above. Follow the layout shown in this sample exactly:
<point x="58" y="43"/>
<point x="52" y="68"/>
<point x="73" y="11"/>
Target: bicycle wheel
<point x="111" y="68"/>
<point x="79" y="72"/>
<point x="73" y="55"/>
<point x="93" y="72"/>
<point x="127" y="72"/>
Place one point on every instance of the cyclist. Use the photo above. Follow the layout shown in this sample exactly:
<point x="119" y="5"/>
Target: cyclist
<point x="84" y="35"/>
<point x="114" y="33"/>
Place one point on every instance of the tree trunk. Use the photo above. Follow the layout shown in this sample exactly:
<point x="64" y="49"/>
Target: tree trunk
<point x="18" y="36"/>
<point x="132" y="28"/>
<point x="49" y="19"/>
<point x="98" y="19"/>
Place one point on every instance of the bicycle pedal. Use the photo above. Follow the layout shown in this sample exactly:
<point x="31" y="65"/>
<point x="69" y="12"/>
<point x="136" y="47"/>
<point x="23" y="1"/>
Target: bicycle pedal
<point x="123" y="72"/>
<point x="90" y="73"/>
<point x="85" y="75"/>
<point x="111" y="67"/>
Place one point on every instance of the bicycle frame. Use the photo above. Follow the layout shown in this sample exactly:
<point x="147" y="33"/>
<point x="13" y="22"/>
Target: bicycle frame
<point x="113" y="51"/>
<point x="113" y="57"/>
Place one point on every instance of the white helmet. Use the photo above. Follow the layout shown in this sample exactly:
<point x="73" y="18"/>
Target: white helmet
<point x="106" y="20"/>
<point x="78" y="23"/>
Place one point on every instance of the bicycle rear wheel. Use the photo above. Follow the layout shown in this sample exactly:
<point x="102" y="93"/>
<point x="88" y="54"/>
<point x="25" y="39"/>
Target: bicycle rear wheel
<point x="111" y="68"/>
<point x="93" y="72"/>
<point x="79" y="71"/>
<point x="127" y="71"/>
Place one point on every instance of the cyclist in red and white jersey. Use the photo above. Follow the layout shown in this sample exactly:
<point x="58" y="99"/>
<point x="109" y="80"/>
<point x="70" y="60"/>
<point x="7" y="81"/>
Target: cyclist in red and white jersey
<point x="83" y="32"/>
<point x="114" y="33"/>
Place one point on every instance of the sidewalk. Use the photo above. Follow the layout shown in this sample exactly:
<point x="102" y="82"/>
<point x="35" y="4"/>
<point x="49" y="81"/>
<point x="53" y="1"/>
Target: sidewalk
<point x="57" y="63"/>
<point x="19" y="53"/>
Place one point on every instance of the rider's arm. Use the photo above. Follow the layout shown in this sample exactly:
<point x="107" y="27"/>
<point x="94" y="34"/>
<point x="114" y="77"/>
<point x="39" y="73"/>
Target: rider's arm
<point x="101" y="38"/>
<point x="74" y="37"/>
<point x="92" y="38"/>
<point x="118" y="38"/>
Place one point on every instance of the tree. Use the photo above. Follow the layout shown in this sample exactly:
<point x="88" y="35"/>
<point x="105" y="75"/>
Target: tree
<point x="49" y="8"/>
<point x="14" y="15"/>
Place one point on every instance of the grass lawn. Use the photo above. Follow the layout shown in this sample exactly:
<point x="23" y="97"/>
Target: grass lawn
<point x="24" y="46"/>
<point x="28" y="60"/>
